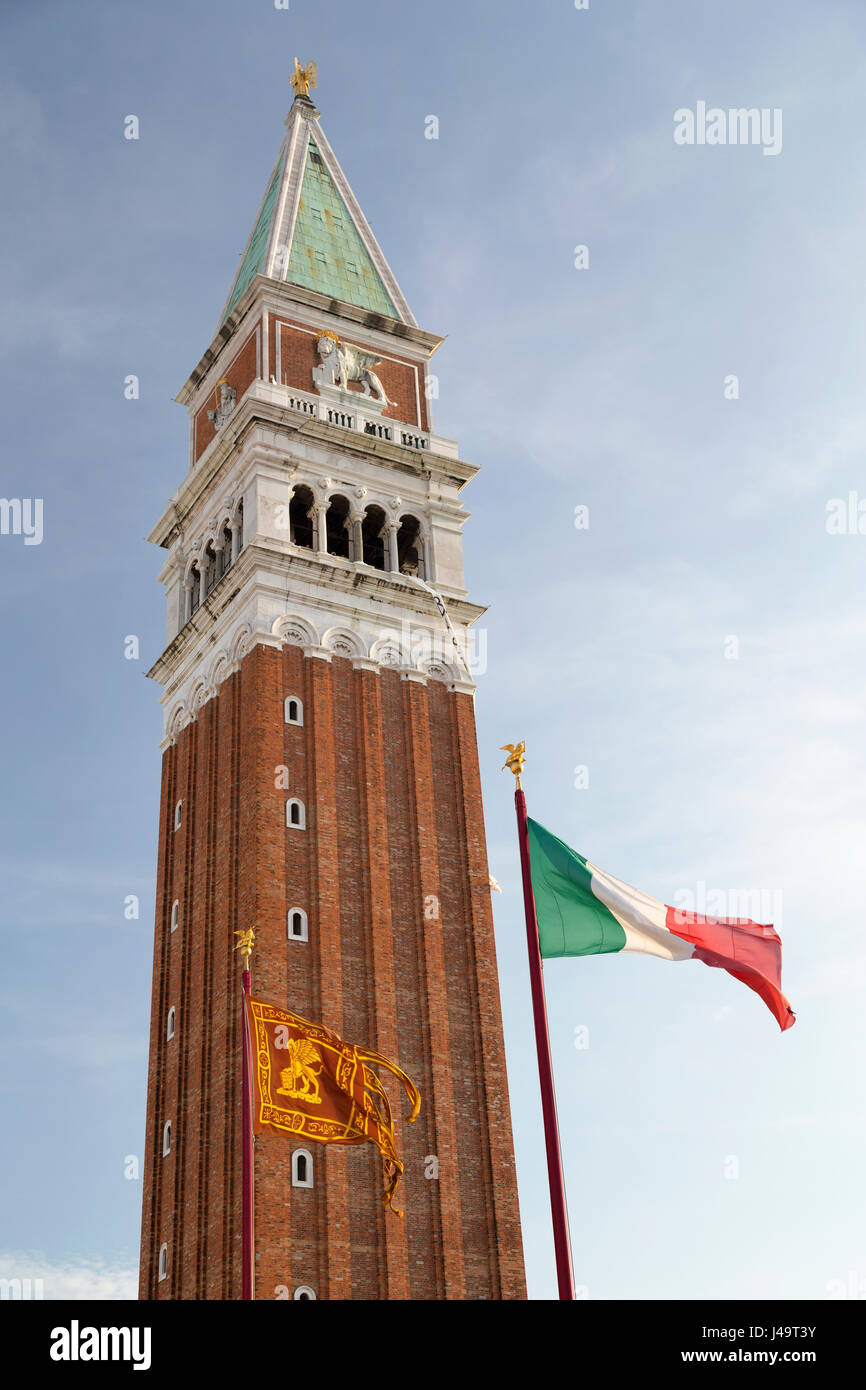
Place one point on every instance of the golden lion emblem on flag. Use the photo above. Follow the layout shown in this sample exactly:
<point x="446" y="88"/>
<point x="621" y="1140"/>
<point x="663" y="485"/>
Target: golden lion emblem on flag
<point x="300" y="1078"/>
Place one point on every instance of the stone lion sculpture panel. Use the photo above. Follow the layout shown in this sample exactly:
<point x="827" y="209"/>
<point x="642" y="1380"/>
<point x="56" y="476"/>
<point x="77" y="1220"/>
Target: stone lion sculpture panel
<point x="340" y="363"/>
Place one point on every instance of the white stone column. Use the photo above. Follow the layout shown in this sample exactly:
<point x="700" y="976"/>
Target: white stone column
<point x="357" y="521"/>
<point x="186" y="609"/>
<point x="392" y="529"/>
<point x="236" y="539"/>
<point x="426" y="557"/>
<point x="320" y="512"/>
<point x="202" y="580"/>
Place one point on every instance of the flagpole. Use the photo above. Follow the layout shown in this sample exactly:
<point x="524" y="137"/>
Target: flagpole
<point x="559" y="1212"/>
<point x="245" y="946"/>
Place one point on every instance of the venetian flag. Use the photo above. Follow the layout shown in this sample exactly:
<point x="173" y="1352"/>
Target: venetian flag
<point x="583" y="911"/>
<point x="310" y="1084"/>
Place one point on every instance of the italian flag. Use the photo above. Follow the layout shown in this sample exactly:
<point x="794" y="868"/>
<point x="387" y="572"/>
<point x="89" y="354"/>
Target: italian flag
<point x="583" y="911"/>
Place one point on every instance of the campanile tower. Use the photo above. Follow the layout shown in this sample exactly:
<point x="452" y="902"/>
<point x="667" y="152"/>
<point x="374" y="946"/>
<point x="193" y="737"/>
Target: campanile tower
<point x="320" y="781"/>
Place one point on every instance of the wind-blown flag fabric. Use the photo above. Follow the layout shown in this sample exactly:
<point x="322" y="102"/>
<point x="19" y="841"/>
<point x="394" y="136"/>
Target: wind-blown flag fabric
<point x="583" y="911"/>
<point x="310" y="1084"/>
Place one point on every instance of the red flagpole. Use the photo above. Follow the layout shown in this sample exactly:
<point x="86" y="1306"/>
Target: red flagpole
<point x="559" y="1213"/>
<point x="247" y="1161"/>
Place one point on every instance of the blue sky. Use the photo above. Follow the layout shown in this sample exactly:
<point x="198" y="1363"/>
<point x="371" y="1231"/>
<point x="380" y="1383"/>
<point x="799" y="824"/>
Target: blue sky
<point x="601" y="387"/>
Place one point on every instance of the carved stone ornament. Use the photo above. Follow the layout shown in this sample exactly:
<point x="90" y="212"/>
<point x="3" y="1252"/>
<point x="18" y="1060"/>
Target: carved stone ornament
<point x="228" y="400"/>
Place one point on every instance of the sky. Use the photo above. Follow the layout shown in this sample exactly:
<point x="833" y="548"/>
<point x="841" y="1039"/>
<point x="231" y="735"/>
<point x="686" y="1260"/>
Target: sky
<point x="687" y="669"/>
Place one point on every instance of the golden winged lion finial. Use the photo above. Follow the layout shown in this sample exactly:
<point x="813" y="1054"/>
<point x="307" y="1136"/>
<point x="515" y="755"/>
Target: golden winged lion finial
<point x="515" y="760"/>
<point x="245" y="944"/>
<point x="303" y="79"/>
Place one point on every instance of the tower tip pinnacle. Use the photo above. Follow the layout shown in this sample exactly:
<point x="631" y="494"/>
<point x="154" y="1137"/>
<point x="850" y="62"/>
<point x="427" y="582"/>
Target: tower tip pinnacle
<point x="302" y="80"/>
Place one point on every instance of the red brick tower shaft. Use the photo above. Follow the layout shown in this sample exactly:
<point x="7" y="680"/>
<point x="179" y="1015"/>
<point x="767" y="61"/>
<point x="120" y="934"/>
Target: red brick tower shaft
<point x="320" y="784"/>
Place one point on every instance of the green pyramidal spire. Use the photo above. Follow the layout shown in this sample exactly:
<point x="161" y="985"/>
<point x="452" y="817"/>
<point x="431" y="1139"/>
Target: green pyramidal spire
<point x="310" y="230"/>
<point x="257" y="248"/>
<point x="328" y="253"/>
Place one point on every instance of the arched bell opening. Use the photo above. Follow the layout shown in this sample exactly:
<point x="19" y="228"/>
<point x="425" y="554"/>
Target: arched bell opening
<point x="410" y="548"/>
<point x="195" y="590"/>
<point x="372" y="528"/>
<point x="301" y="518"/>
<point x="338" y="528"/>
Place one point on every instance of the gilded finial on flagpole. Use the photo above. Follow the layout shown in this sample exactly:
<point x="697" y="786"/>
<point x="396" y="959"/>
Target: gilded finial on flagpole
<point x="514" y="762"/>
<point x="245" y="945"/>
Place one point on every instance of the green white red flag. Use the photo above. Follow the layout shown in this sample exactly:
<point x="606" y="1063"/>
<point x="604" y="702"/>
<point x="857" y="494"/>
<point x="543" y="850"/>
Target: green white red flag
<point x="583" y="911"/>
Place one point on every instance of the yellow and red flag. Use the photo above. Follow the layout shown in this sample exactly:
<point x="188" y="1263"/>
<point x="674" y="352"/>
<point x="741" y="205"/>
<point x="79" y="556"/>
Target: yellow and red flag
<point x="309" y="1084"/>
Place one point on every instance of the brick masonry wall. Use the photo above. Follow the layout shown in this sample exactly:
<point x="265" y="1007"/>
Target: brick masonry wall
<point x="240" y="373"/>
<point x="392" y="872"/>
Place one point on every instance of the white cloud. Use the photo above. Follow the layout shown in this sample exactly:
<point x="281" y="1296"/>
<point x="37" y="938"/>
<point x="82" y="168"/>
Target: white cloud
<point x="71" y="1278"/>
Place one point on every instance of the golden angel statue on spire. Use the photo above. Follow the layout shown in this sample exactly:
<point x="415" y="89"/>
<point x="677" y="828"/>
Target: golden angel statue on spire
<point x="303" y="79"/>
